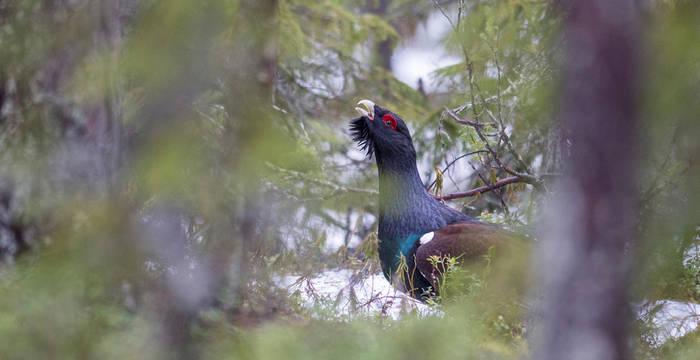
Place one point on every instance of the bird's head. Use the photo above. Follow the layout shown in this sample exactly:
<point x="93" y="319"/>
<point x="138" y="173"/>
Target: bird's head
<point x="383" y="133"/>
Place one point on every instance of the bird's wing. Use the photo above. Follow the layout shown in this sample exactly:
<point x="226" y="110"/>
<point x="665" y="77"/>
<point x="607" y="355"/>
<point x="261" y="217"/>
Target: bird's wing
<point x="466" y="241"/>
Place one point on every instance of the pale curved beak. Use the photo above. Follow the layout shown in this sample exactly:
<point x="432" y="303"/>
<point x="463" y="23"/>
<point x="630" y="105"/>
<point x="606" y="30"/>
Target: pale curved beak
<point x="366" y="108"/>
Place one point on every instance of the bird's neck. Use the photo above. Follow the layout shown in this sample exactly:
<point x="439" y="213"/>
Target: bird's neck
<point x="406" y="210"/>
<point x="401" y="192"/>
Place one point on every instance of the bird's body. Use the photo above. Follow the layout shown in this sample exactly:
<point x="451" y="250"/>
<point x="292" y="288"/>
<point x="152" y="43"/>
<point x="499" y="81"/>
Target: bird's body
<point x="414" y="227"/>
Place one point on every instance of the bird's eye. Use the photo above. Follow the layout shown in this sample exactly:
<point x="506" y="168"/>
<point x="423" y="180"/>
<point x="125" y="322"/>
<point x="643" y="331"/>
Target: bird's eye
<point x="389" y="121"/>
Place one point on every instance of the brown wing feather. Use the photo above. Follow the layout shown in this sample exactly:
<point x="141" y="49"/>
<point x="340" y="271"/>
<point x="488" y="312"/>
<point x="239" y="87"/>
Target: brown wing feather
<point x="468" y="241"/>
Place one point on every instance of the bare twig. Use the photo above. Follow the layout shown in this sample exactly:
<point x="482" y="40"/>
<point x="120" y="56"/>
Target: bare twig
<point x="527" y="178"/>
<point x="437" y="5"/>
<point x="452" y="163"/>
<point x="498" y="184"/>
<point x="462" y="121"/>
<point x="477" y="127"/>
<point x="460" y="10"/>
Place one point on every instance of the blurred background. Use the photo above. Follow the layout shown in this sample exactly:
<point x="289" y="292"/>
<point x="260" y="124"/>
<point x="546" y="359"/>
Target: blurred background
<point x="177" y="178"/>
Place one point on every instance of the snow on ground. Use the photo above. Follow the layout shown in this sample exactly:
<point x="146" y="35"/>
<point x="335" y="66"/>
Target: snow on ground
<point x="671" y="319"/>
<point x="352" y="294"/>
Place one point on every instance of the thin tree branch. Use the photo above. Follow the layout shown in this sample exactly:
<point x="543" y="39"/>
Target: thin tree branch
<point x="498" y="184"/>
<point x="462" y="121"/>
<point x="452" y="163"/>
<point x="527" y="178"/>
<point x="437" y="4"/>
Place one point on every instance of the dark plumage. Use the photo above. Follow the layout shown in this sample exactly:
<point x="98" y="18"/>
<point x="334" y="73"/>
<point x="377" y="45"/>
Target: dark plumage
<point x="407" y="211"/>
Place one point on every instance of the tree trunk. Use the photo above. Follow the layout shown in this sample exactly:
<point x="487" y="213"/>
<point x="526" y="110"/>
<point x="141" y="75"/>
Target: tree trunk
<point x="384" y="48"/>
<point x="592" y="219"/>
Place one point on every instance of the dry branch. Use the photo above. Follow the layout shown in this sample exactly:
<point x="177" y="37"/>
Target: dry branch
<point x="498" y="184"/>
<point x="522" y="177"/>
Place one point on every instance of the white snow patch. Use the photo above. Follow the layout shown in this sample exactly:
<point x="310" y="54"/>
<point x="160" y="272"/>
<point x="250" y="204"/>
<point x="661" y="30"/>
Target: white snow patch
<point x="671" y="319"/>
<point x="355" y="294"/>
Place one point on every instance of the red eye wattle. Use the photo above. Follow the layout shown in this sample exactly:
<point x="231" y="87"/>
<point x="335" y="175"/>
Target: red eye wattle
<point x="389" y="121"/>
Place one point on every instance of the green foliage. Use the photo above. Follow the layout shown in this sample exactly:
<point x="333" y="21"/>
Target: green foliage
<point x="445" y="266"/>
<point x="226" y="120"/>
<point x="691" y="278"/>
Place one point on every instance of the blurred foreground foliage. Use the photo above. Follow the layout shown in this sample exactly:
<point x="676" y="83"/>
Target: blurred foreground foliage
<point x="163" y="164"/>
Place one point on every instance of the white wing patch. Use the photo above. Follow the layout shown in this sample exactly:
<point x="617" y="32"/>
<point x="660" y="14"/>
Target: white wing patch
<point x="426" y="238"/>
